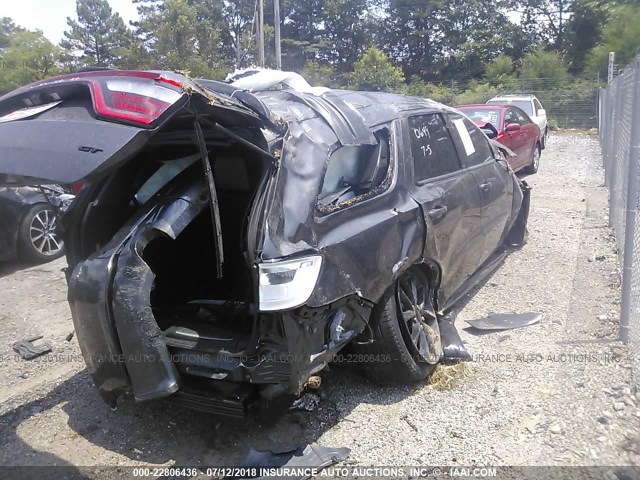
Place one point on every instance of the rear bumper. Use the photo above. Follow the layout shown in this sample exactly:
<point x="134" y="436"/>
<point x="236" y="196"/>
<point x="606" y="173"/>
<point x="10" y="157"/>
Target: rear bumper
<point x="126" y="351"/>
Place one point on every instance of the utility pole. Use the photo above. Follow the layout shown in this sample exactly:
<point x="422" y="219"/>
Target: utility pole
<point x="276" y="21"/>
<point x="610" y="67"/>
<point x="261" y="33"/>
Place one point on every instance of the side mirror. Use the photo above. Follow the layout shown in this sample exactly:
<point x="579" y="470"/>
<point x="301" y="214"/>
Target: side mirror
<point x="542" y="112"/>
<point x="513" y="127"/>
<point x="489" y="132"/>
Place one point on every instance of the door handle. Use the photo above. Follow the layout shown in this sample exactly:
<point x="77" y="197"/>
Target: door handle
<point x="485" y="187"/>
<point x="438" y="213"/>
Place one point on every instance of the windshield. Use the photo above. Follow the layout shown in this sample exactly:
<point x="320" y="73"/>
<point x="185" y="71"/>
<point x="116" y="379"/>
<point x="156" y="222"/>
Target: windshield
<point x="523" y="104"/>
<point x="480" y="114"/>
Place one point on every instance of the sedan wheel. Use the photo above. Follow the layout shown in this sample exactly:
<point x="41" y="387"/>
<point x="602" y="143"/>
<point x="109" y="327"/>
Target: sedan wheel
<point x="39" y="236"/>
<point x="405" y="345"/>
<point x="411" y="297"/>
<point x="535" y="161"/>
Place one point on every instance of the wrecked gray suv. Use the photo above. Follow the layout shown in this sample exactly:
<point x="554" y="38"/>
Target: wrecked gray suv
<point x="228" y="244"/>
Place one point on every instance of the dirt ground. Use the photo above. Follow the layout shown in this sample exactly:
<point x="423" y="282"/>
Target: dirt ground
<point x="554" y="393"/>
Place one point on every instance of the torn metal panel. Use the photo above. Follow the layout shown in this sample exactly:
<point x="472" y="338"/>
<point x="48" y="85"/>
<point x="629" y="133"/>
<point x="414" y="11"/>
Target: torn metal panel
<point x="452" y="345"/>
<point x="505" y="321"/>
<point x="518" y="234"/>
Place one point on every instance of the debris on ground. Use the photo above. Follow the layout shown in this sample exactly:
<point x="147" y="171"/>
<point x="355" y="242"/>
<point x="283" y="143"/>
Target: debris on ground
<point x="505" y="321"/>
<point x="307" y="401"/>
<point x="314" y="382"/>
<point x="28" y="351"/>
<point x="308" y="457"/>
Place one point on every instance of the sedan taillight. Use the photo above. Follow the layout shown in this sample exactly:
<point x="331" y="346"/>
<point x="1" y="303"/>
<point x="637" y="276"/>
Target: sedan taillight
<point x="132" y="100"/>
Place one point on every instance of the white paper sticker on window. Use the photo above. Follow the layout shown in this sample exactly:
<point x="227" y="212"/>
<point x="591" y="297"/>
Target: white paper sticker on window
<point x="464" y="136"/>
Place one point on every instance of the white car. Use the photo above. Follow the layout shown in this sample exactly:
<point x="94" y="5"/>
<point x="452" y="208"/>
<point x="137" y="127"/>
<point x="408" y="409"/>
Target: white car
<point x="532" y="107"/>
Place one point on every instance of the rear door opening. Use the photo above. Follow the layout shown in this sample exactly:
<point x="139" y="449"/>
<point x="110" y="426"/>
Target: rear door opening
<point x="159" y="262"/>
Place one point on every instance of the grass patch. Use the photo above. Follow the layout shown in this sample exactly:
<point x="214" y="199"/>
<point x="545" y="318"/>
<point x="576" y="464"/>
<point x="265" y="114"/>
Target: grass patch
<point x="446" y="377"/>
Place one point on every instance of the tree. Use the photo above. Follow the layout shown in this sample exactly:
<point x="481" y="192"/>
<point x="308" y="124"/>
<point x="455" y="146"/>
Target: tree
<point x="499" y="68"/>
<point x="239" y="18"/>
<point x="409" y="34"/>
<point x="472" y="33"/>
<point x="584" y="31"/>
<point x="543" y="70"/>
<point x="476" y="93"/>
<point x="545" y="20"/>
<point x="621" y="35"/>
<point x="440" y="93"/>
<point x="7" y="30"/>
<point x="502" y="73"/>
<point x="28" y="57"/>
<point x="184" y="35"/>
<point x="347" y="31"/>
<point x="301" y="32"/>
<point x="374" y="72"/>
<point x="99" y="34"/>
<point x="319" y="75"/>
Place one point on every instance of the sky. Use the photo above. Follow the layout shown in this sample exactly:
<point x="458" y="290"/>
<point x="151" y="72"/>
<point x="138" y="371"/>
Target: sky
<point x="50" y="16"/>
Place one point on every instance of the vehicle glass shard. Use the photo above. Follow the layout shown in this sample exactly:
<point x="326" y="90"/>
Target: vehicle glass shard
<point x="464" y="136"/>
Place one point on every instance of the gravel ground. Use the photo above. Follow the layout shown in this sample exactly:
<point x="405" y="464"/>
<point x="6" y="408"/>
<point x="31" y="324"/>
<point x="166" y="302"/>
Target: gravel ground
<point x="554" y="393"/>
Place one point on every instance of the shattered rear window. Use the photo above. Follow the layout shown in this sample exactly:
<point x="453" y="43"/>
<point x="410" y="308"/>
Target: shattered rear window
<point x="356" y="172"/>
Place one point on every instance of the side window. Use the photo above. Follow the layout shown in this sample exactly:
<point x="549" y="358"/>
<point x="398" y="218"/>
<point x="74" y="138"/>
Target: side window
<point x="357" y="171"/>
<point x="473" y="146"/>
<point x="536" y="104"/>
<point x="432" y="148"/>
<point x="510" y="117"/>
<point x="521" y="117"/>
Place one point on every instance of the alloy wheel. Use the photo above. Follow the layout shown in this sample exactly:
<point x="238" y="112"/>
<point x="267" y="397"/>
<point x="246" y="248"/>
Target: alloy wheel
<point x="417" y="324"/>
<point x="43" y="232"/>
<point x="536" y="157"/>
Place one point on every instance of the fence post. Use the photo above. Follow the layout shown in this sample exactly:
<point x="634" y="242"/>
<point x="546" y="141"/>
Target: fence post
<point x="631" y="207"/>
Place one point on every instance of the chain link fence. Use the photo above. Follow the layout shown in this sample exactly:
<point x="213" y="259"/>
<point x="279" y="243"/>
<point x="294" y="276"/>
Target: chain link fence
<point x="619" y="131"/>
<point x="569" y="103"/>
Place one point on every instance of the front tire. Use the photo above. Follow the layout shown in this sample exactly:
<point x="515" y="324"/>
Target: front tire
<point x="39" y="238"/>
<point x="406" y="340"/>
<point x="535" y="161"/>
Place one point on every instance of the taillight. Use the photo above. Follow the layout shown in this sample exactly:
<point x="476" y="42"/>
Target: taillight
<point x="137" y="101"/>
<point x="126" y="95"/>
<point x="76" y="187"/>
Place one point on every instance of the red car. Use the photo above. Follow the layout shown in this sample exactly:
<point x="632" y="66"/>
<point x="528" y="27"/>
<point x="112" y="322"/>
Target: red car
<point x="513" y="128"/>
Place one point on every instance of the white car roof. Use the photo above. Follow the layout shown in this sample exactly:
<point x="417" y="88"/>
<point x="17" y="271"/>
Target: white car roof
<point x="514" y="97"/>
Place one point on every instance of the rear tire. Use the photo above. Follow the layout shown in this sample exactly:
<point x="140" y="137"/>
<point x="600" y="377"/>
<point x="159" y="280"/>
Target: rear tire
<point x="543" y="140"/>
<point x="535" y="161"/>
<point x="39" y="237"/>
<point x="393" y="357"/>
